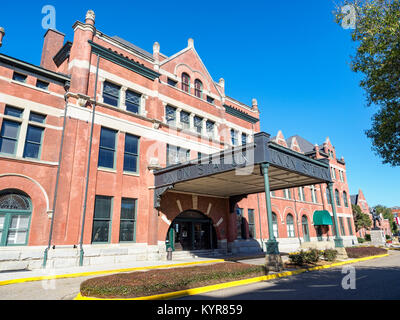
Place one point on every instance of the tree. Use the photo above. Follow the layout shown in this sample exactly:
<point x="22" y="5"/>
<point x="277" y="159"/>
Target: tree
<point x="387" y="214"/>
<point x="376" y="32"/>
<point x="361" y="220"/>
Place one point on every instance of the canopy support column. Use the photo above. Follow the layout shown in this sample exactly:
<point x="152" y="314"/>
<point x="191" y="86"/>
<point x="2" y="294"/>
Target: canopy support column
<point x="338" y="240"/>
<point x="273" y="257"/>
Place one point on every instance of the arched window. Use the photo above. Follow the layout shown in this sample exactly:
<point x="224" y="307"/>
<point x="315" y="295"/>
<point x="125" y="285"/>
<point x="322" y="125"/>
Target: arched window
<point x="337" y="197"/>
<point x="275" y="225"/>
<point x="15" y="217"/>
<point x="346" y="203"/>
<point x="185" y="82"/>
<point x="198" y="88"/>
<point x="290" y="226"/>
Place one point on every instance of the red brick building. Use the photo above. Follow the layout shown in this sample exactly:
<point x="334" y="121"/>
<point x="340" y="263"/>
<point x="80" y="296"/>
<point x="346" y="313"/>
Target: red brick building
<point x="360" y="200"/>
<point x="82" y="138"/>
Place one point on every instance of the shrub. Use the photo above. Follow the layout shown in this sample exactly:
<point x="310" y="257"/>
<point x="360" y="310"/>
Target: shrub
<point x="388" y="237"/>
<point x="367" y="237"/>
<point x="330" y="254"/>
<point x="305" y="257"/>
<point x="360" y="240"/>
<point x="298" y="258"/>
<point x="312" y="256"/>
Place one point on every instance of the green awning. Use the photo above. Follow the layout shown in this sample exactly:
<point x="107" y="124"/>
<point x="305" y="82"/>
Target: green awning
<point x="322" y="218"/>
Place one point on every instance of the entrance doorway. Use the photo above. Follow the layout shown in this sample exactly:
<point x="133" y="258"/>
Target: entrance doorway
<point x="190" y="231"/>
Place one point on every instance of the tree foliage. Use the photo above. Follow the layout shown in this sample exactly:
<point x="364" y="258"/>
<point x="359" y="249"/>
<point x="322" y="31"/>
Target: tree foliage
<point x="361" y="220"/>
<point x="387" y="214"/>
<point x="377" y="57"/>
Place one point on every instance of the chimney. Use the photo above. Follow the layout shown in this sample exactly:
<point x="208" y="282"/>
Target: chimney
<point x="90" y="17"/>
<point x="190" y="43"/>
<point x="2" y="34"/>
<point x="254" y="104"/>
<point x="156" y="51"/>
<point x="53" y="42"/>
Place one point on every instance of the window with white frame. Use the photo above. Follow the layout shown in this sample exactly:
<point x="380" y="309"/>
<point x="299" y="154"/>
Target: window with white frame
<point x="170" y="115"/>
<point x="290" y="226"/>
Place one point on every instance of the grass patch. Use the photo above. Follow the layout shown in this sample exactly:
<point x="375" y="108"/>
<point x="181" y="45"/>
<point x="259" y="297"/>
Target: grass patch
<point x="143" y="284"/>
<point x="361" y="252"/>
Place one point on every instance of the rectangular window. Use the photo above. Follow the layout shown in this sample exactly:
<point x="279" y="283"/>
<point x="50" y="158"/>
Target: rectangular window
<point x="244" y="139"/>
<point x="234" y="138"/>
<point x="172" y="83"/>
<point x="19" y="77"/>
<point x="350" y="227"/>
<point x="313" y="194"/>
<point x="102" y="219"/>
<point x="36" y="117"/>
<point x="177" y="155"/>
<point x="13" y="112"/>
<point x="239" y="223"/>
<point x="210" y="128"/>
<point x="287" y="194"/>
<point x="341" y="176"/>
<point x="341" y="225"/>
<point x="18" y="230"/>
<point x="301" y="194"/>
<point x="210" y="100"/>
<point x="107" y="148"/>
<point x="170" y="115"/>
<point x="132" y="101"/>
<point x="9" y="137"/>
<point x="33" y="142"/>
<point x="131" y="153"/>
<point x="252" y="224"/>
<point x="111" y="93"/>
<point x="42" y="84"/>
<point x="198" y="124"/>
<point x="185" y="120"/>
<point x="128" y="220"/>
<point x="333" y="173"/>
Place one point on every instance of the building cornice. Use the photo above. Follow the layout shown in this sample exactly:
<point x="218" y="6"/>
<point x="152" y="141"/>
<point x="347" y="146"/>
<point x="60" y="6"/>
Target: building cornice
<point x="123" y="62"/>
<point x="240" y="114"/>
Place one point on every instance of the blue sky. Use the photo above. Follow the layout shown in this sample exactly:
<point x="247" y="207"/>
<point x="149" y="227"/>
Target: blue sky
<point x="289" y="55"/>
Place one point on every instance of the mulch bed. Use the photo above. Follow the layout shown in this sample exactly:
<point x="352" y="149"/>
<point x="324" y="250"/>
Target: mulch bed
<point x="361" y="252"/>
<point x="154" y="282"/>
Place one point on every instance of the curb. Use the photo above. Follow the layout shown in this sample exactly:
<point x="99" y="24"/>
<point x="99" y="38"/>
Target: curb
<point x="99" y="273"/>
<point x="189" y="292"/>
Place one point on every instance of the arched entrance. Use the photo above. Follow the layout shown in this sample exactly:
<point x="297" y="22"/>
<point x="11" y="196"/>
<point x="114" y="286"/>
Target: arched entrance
<point x="15" y="218"/>
<point x="190" y="231"/>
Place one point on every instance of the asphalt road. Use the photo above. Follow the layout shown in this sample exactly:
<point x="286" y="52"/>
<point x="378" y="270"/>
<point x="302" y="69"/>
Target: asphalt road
<point x="377" y="279"/>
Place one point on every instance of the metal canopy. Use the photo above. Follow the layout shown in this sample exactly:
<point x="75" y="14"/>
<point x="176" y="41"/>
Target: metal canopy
<point x="237" y="172"/>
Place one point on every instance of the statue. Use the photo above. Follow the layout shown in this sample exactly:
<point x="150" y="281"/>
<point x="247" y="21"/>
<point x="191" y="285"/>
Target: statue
<point x="376" y="217"/>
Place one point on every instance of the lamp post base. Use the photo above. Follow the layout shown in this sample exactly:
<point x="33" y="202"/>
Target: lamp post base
<point x="273" y="258"/>
<point x="339" y="243"/>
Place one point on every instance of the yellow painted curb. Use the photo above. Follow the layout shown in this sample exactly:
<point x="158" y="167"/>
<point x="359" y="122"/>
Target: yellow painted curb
<point x="189" y="292"/>
<point x="94" y="273"/>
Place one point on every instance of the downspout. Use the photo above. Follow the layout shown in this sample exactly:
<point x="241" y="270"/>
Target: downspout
<point x="81" y="253"/>
<point x="297" y="216"/>
<point x="46" y="251"/>
<point x="259" y="219"/>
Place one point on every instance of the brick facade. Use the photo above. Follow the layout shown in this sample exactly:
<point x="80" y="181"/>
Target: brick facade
<point x="71" y="70"/>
